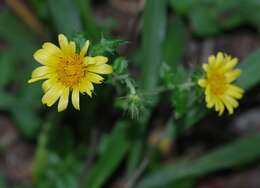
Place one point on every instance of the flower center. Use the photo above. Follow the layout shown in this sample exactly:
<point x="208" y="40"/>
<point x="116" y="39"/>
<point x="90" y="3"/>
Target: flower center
<point x="217" y="84"/>
<point x="71" y="70"/>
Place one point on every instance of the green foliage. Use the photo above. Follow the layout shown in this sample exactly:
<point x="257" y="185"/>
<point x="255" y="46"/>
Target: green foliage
<point x="115" y="149"/>
<point x="6" y="69"/>
<point x="210" y="17"/>
<point x="64" y="144"/>
<point x="92" y="29"/>
<point x="250" y="77"/>
<point x="229" y="156"/>
<point x="153" y="35"/>
<point x="106" y="47"/>
<point x="65" y="16"/>
<point x="174" y="43"/>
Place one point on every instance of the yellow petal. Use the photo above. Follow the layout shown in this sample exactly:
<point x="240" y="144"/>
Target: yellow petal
<point x="218" y="105"/>
<point x="72" y="47"/>
<point x="86" y="87"/>
<point x="209" y="101"/>
<point x="228" y="106"/>
<point x="229" y="65"/>
<point x="84" y="50"/>
<point x="38" y="78"/>
<point x="202" y="83"/>
<point x="231" y="101"/>
<point x="41" y="71"/>
<point x="98" y="60"/>
<point x="46" y="57"/>
<point x="75" y="98"/>
<point x="220" y="58"/>
<point x="233" y="75"/>
<point x="63" y="41"/>
<point x="64" y="100"/>
<point x="211" y="59"/>
<point x="100" y="69"/>
<point x="222" y="108"/>
<point x="236" y="93"/>
<point x="47" y="85"/>
<point x="95" y="78"/>
<point x="236" y="88"/>
<point x="52" y="48"/>
<point x="66" y="47"/>
<point x="52" y="95"/>
<point x="205" y="67"/>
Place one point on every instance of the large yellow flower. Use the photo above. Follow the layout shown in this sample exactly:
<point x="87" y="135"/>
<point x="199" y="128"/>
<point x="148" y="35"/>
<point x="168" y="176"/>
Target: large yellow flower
<point x="219" y="90"/>
<point x="66" y="70"/>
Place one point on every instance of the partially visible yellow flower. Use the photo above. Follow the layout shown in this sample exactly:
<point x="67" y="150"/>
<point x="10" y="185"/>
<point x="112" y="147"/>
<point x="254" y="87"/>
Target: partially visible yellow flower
<point x="67" y="71"/>
<point x="219" y="90"/>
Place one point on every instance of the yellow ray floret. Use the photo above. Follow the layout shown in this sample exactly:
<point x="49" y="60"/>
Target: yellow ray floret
<point x="219" y="90"/>
<point x="64" y="71"/>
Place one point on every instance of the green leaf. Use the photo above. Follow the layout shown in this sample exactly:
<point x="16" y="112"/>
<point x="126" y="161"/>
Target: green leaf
<point x="153" y="35"/>
<point x="27" y="120"/>
<point x="113" y="154"/>
<point x="20" y="39"/>
<point x="65" y="16"/>
<point x="2" y="182"/>
<point x="250" y="71"/>
<point x="174" y="43"/>
<point x="22" y="43"/>
<point x="40" y="7"/>
<point x="41" y="157"/>
<point x="182" y="7"/>
<point x="210" y="17"/>
<point x="8" y="100"/>
<point x="120" y="65"/>
<point x="92" y="30"/>
<point x="106" y="47"/>
<point x="204" y="21"/>
<point x="6" y="68"/>
<point x="232" y="155"/>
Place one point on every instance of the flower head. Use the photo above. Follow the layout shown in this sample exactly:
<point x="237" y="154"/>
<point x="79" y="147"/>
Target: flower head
<point x="219" y="90"/>
<point x="67" y="71"/>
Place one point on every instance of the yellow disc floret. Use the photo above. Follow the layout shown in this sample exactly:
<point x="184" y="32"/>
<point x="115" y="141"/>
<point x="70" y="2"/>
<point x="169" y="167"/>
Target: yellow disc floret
<point x="67" y="71"/>
<point x="219" y="90"/>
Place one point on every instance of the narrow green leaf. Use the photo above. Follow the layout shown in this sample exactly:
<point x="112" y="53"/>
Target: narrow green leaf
<point x="8" y="100"/>
<point x="250" y="71"/>
<point x="17" y="35"/>
<point x="7" y="68"/>
<point x="26" y="120"/>
<point x="153" y="35"/>
<point x="65" y="16"/>
<point x="115" y="151"/>
<point x="232" y="155"/>
<point x="174" y="43"/>
<point x="92" y="29"/>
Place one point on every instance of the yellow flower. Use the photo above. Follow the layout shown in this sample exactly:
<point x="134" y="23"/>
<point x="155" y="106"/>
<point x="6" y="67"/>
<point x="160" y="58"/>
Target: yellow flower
<point x="66" y="70"/>
<point x="219" y="90"/>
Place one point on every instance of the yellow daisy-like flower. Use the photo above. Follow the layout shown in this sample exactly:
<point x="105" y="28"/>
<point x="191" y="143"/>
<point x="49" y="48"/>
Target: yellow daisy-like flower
<point x="219" y="90"/>
<point x="66" y="70"/>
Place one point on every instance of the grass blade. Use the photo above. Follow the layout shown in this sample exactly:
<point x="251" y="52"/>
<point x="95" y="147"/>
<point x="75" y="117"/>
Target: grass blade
<point x="250" y="71"/>
<point x="232" y="155"/>
<point x="65" y="16"/>
<point x="115" y="150"/>
<point x="153" y="35"/>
